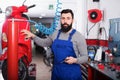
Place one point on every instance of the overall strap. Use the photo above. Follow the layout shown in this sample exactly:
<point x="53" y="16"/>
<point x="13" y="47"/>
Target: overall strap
<point x="58" y="34"/>
<point x="71" y="34"/>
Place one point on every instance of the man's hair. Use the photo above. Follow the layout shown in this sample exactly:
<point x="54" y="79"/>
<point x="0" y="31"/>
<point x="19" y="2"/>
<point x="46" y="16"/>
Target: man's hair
<point x="67" y="11"/>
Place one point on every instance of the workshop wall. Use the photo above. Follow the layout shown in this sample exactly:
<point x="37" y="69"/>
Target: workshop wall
<point x="110" y="10"/>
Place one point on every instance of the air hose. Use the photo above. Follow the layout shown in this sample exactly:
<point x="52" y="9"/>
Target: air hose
<point x="42" y="28"/>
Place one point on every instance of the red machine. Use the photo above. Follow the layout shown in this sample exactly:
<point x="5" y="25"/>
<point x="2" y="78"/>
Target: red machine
<point x="16" y="49"/>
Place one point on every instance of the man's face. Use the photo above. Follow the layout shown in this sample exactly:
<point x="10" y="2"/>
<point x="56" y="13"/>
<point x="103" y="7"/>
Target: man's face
<point x="66" y="22"/>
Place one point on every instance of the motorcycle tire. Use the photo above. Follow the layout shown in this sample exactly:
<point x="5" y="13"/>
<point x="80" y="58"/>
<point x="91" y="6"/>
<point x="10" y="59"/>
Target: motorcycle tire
<point x="46" y="61"/>
<point x="22" y="73"/>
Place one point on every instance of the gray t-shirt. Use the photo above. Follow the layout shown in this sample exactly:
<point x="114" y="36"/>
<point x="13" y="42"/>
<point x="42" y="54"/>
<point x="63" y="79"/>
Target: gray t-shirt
<point x="79" y="44"/>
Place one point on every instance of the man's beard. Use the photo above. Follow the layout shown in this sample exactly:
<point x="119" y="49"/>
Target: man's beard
<point x="66" y="28"/>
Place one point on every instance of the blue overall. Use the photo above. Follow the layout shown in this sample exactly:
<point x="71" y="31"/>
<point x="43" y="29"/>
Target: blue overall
<point x="61" y="50"/>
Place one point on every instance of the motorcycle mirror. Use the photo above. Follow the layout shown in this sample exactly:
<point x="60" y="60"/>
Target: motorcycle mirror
<point x="0" y="10"/>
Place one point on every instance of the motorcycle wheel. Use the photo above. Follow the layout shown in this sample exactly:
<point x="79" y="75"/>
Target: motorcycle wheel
<point x="22" y="72"/>
<point x="46" y="61"/>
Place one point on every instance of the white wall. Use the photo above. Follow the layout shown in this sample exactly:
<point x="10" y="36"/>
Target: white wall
<point x="92" y="28"/>
<point x="80" y="8"/>
<point x="41" y="8"/>
<point x="110" y="10"/>
<point x="81" y="16"/>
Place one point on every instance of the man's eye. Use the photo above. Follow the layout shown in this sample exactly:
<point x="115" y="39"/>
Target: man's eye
<point x="68" y="18"/>
<point x="62" y="18"/>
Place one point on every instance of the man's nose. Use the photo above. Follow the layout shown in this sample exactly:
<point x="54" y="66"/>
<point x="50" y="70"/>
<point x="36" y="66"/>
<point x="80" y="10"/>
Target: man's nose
<point x="65" y="20"/>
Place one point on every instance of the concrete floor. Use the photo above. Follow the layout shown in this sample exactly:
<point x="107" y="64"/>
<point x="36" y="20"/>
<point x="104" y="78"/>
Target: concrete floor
<point x="43" y="71"/>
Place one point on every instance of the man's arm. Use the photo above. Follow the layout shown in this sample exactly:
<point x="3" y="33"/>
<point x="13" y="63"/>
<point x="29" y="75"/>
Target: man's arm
<point x="46" y="42"/>
<point x="82" y="49"/>
<point x="42" y="42"/>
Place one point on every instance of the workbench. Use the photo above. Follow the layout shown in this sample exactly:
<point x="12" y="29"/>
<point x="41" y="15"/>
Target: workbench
<point x="98" y="71"/>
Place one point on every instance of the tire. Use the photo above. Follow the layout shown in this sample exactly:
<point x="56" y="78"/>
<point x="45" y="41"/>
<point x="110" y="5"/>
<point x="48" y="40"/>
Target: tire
<point x="46" y="61"/>
<point x="22" y="73"/>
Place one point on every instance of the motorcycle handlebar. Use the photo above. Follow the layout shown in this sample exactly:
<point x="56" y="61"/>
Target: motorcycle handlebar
<point x="31" y="6"/>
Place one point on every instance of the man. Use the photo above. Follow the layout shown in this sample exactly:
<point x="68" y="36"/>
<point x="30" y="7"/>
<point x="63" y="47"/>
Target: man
<point x="69" y="48"/>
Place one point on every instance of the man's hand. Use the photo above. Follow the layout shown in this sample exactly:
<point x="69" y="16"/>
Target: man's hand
<point x="27" y="34"/>
<point x="70" y="60"/>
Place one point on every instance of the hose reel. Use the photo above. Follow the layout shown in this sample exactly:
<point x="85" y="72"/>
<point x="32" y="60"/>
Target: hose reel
<point x="94" y="15"/>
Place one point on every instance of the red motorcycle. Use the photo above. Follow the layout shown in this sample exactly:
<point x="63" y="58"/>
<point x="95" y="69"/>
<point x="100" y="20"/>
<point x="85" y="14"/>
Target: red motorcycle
<point x="14" y="15"/>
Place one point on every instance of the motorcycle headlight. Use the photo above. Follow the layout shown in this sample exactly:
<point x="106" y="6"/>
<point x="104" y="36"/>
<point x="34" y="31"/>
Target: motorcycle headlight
<point x="8" y="11"/>
<point x="4" y="37"/>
